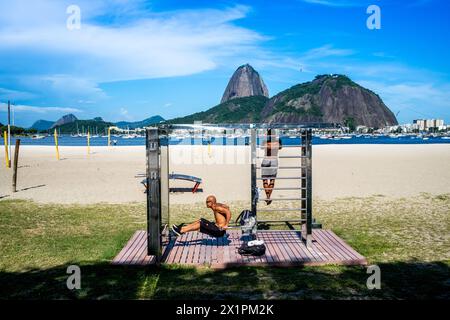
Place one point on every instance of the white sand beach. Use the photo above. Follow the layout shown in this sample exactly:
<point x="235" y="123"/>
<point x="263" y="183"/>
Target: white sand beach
<point x="112" y="174"/>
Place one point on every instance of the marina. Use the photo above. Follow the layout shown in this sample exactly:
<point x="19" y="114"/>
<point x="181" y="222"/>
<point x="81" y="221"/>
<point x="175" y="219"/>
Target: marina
<point x="135" y="139"/>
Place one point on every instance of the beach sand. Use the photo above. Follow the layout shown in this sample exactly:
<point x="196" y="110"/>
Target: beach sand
<point x="111" y="175"/>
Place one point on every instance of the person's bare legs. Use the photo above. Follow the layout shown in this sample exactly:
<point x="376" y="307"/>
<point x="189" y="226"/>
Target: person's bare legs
<point x="194" y="226"/>
<point x="271" y="186"/>
<point x="268" y="186"/>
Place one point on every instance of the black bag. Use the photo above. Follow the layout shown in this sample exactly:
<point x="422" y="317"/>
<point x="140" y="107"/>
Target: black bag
<point x="247" y="250"/>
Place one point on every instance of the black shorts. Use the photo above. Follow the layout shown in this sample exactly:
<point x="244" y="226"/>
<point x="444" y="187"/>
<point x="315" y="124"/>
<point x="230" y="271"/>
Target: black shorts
<point x="211" y="229"/>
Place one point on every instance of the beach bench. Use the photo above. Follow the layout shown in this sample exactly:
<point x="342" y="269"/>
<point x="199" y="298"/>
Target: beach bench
<point x="176" y="176"/>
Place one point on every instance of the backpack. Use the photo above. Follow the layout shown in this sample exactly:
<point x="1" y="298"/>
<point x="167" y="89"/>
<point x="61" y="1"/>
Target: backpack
<point x="247" y="221"/>
<point x="252" y="248"/>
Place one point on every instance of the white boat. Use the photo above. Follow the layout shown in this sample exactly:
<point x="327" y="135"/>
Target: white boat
<point x="37" y="137"/>
<point x="130" y="136"/>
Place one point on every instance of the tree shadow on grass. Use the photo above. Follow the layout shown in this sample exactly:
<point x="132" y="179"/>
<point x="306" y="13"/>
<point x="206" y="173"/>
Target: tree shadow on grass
<point x="98" y="281"/>
<point x="399" y="280"/>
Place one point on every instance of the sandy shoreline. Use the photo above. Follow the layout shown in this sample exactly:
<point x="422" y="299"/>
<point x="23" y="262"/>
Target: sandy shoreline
<point x="109" y="174"/>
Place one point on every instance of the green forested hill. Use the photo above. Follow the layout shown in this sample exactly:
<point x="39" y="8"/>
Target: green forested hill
<point x="239" y="110"/>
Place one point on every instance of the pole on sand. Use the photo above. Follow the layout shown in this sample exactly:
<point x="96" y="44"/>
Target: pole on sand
<point x="16" y="160"/>
<point x="88" y="142"/>
<point x="7" y="162"/>
<point x="56" y="144"/>
<point x="9" y="132"/>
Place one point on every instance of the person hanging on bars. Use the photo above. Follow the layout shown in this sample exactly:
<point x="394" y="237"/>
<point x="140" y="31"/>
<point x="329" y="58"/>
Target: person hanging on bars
<point x="222" y="216"/>
<point x="269" y="165"/>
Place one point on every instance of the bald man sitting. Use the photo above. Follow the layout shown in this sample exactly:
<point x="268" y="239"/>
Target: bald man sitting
<point x="222" y="217"/>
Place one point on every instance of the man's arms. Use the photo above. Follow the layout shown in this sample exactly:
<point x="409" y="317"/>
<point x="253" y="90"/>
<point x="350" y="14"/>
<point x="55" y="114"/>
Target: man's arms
<point x="227" y="216"/>
<point x="225" y="212"/>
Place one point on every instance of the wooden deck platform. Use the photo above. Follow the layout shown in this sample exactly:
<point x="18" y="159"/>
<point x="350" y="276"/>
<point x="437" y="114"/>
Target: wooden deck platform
<point x="135" y="251"/>
<point x="284" y="248"/>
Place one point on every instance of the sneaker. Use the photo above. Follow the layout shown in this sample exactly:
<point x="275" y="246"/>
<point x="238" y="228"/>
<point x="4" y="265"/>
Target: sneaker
<point x="176" y="230"/>
<point x="179" y="226"/>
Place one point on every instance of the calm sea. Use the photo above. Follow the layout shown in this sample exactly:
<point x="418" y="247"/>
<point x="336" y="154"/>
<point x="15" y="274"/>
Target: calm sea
<point x="80" y="141"/>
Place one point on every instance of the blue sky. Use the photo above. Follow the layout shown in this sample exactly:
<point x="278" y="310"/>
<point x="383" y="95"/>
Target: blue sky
<point x="132" y="59"/>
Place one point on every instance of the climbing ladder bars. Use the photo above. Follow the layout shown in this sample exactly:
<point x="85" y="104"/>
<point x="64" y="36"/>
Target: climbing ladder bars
<point x="304" y="179"/>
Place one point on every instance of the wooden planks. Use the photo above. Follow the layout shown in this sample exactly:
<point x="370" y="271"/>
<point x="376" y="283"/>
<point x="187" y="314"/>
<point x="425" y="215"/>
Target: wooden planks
<point x="283" y="248"/>
<point x="135" y="251"/>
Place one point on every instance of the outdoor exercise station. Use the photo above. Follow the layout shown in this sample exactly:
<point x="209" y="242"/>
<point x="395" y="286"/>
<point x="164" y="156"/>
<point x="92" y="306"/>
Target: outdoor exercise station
<point x="291" y="235"/>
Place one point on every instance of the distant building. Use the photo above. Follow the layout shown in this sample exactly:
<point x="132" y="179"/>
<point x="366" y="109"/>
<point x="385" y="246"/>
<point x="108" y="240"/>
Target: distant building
<point x="426" y="124"/>
<point x="362" y="129"/>
<point x="421" y="124"/>
<point x="439" y="123"/>
<point x="430" y="123"/>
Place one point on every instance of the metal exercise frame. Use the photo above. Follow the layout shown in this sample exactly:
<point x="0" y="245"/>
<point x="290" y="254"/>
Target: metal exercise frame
<point x="157" y="151"/>
<point x="305" y="182"/>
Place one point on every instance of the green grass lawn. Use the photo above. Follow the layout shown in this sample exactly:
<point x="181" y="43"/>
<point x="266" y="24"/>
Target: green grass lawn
<point x="409" y="239"/>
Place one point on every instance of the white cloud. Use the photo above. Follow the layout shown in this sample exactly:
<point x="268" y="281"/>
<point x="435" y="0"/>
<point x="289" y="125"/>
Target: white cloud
<point x="382" y="54"/>
<point x="71" y="90"/>
<point x="85" y="102"/>
<point x="415" y="99"/>
<point x="363" y="3"/>
<point x="169" y="104"/>
<point x="327" y="51"/>
<point x="338" y="3"/>
<point x="124" y="113"/>
<point x="148" y="46"/>
<point x="36" y="109"/>
<point x="8" y="94"/>
<point x="307" y="62"/>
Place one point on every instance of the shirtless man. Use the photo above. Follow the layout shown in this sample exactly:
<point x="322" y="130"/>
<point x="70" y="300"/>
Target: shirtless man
<point x="222" y="217"/>
<point x="269" y="165"/>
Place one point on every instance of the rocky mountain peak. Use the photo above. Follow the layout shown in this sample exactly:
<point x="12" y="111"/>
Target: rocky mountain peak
<point x="245" y="82"/>
<point x="68" y="118"/>
<point x="331" y="99"/>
